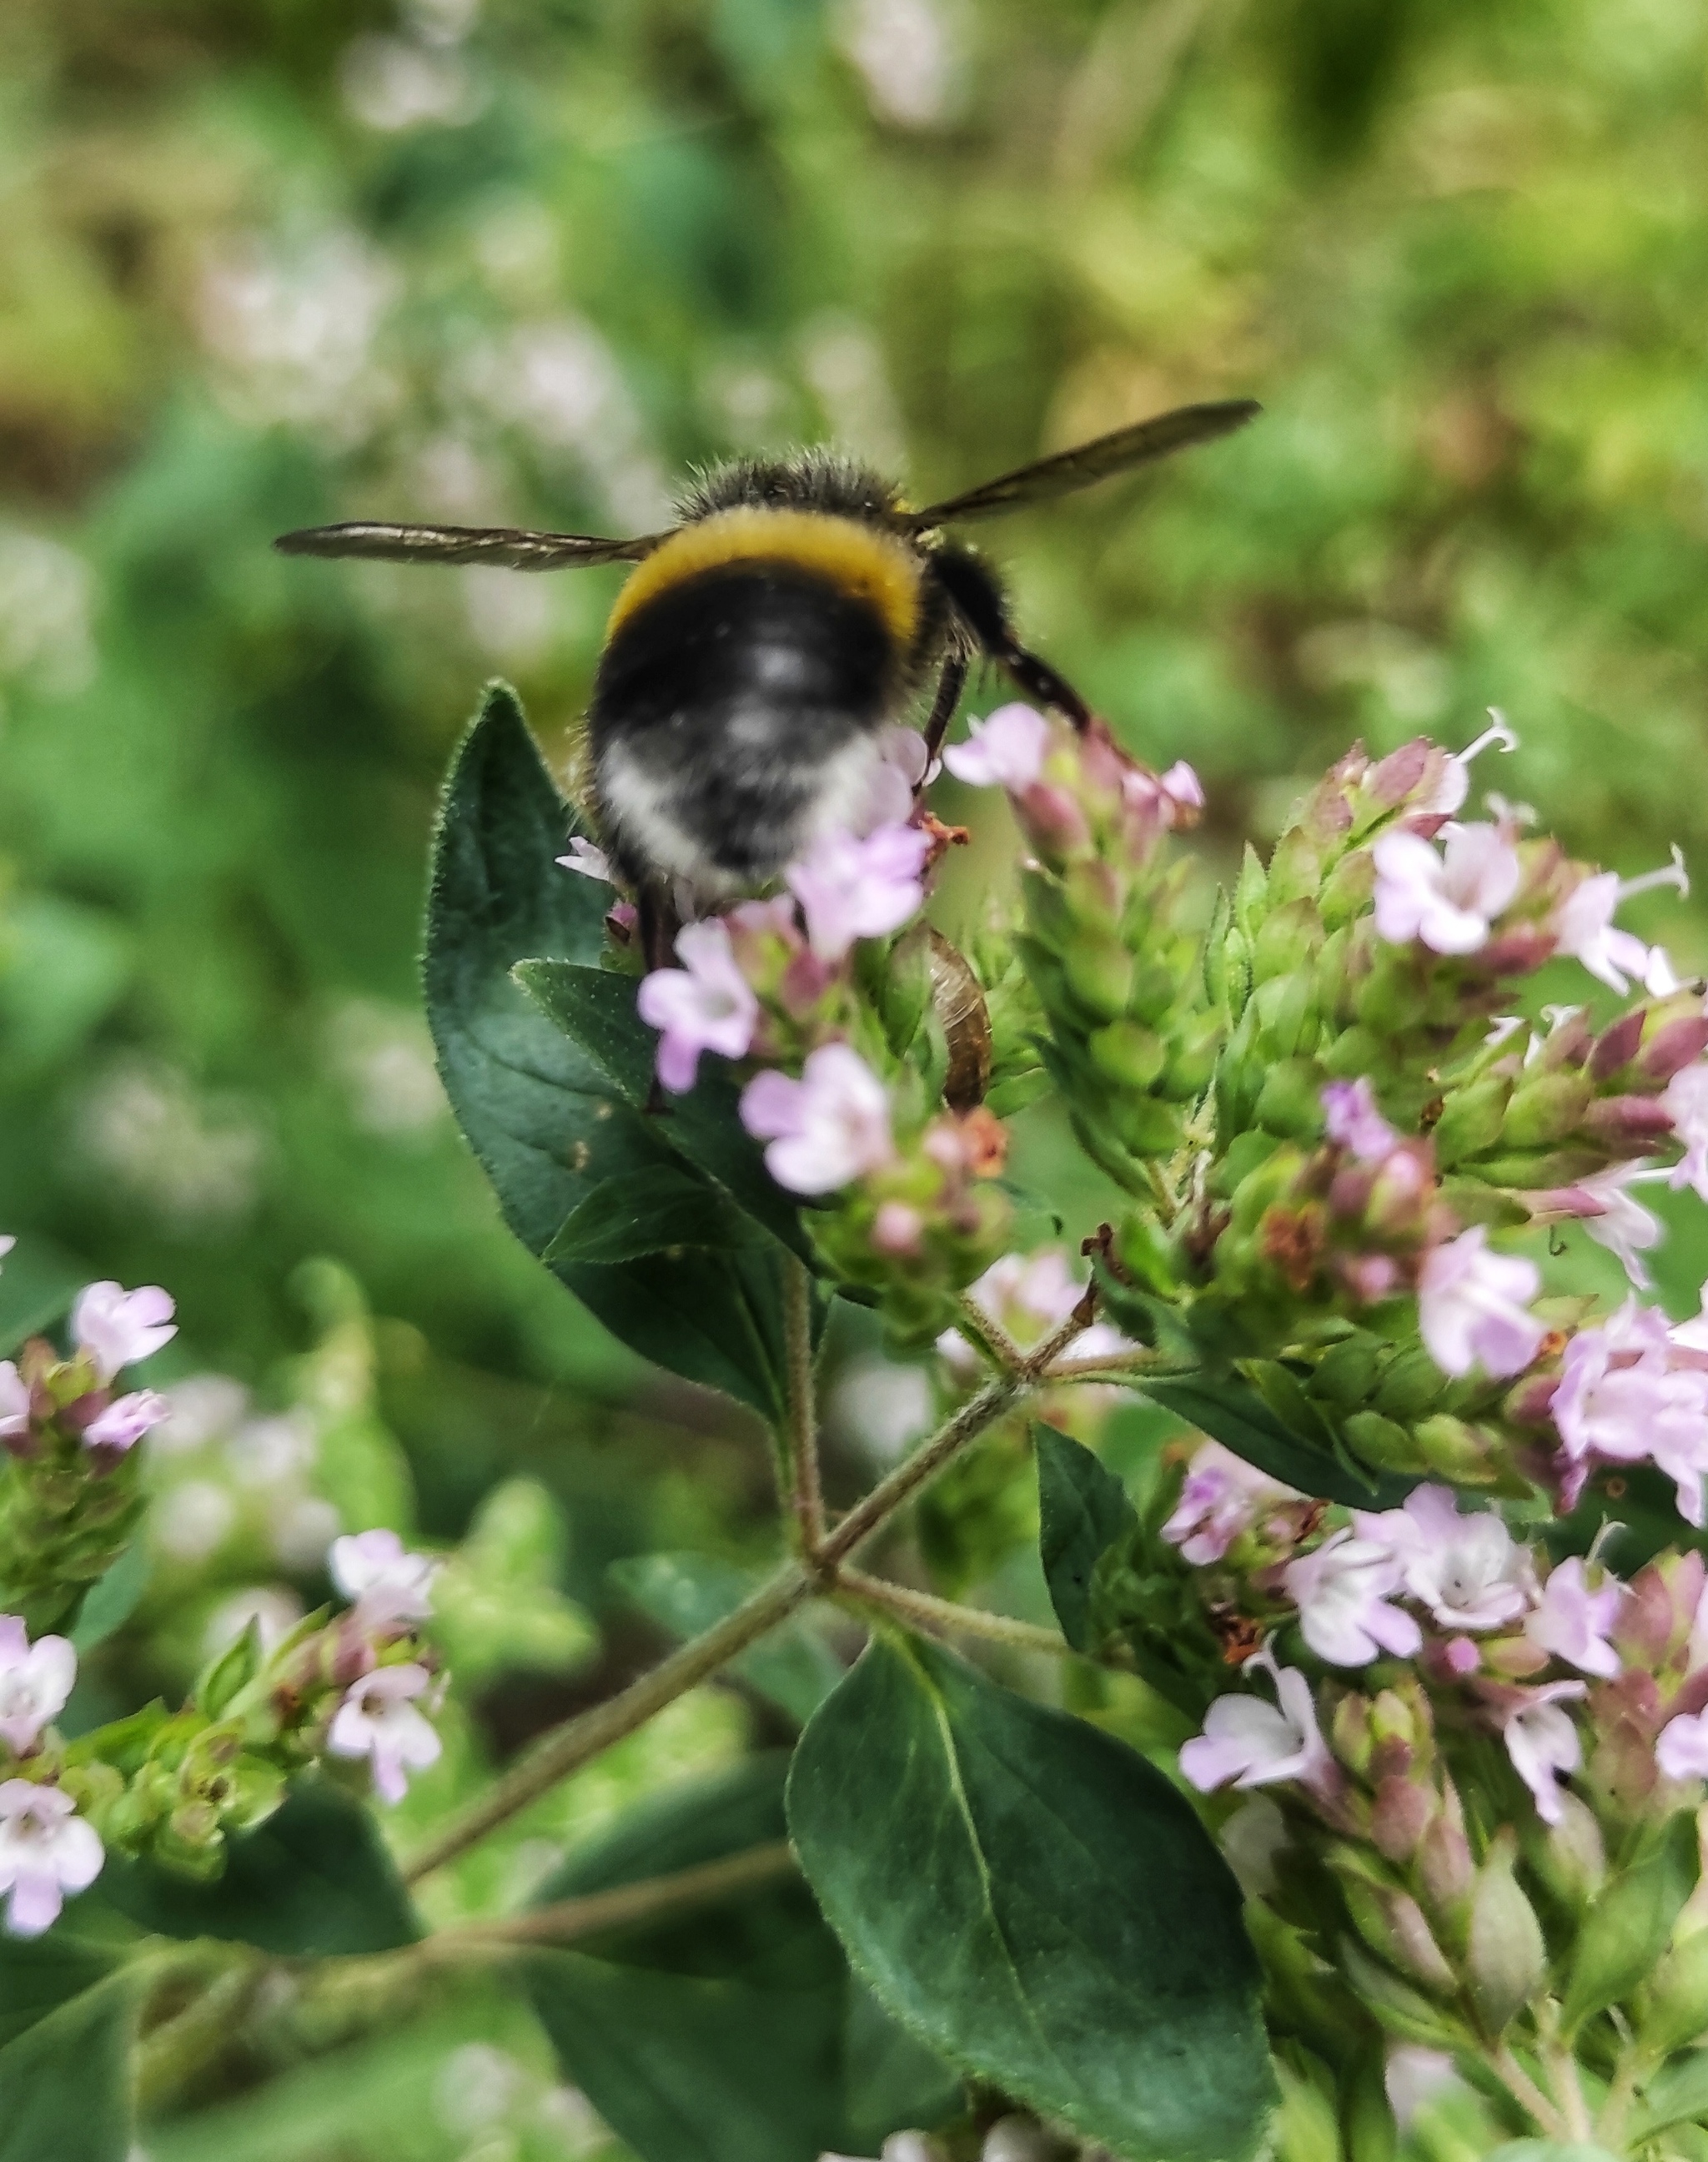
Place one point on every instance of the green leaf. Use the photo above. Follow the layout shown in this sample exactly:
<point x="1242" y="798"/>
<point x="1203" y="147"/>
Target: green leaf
<point x="313" y="1880"/>
<point x="1237" y="1417"/>
<point x="66" y="2024"/>
<point x="1628" y="1926"/>
<point x="731" y="2031"/>
<point x="650" y="1212"/>
<point x="38" y="1284"/>
<point x="1083" y="1512"/>
<point x="1677" y="2096"/>
<point x="687" y="1593"/>
<point x="545" y="1120"/>
<point x="597" y="1009"/>
<point x="1036" y="1902"/>
<point x="112" y="1599"/>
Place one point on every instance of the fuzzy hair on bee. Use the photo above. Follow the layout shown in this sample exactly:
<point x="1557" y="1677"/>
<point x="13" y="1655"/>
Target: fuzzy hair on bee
<point x="764" y="643"/>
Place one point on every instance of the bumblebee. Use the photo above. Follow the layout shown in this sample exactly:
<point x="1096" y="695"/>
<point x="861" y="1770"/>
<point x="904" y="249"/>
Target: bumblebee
<point x="763" y="643"/>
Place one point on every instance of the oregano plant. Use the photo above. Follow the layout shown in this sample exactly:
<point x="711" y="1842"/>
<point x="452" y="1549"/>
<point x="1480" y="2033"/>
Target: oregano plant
<point x="1352" y="1799"/>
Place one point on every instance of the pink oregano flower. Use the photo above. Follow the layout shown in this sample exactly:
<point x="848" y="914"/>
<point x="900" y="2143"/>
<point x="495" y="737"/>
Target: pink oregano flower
<point x="1686" y="1098"/>
<point x="378" y="1720"/>
<point x="1254" y="1743"/>
<point x="1450" y="791"/>
<point x="1583" y="928"/>
<point x="391" y="1587"/>
<point x="1471" y="1307"/>
<point x="1467" y="1569"/>
<point x="707" y="1005"/>
<point x="1223" y="1497"/>
<point x="1543" y="1742"/>
<point x="850" y="889"/>
<point x="1342" y="1591"/>
<point x="116" y="1327"/>
<point x="46" y="1849"/>
<point x="1572" y="1619"/>
<point x="1353" y="1122"/>
<point x="1447" y="901"/>
<point x="125" y="1420"/>
<point x="35" y="1683"/>
<point x="1005" y="750"/>
<point x="830" y="1127"/>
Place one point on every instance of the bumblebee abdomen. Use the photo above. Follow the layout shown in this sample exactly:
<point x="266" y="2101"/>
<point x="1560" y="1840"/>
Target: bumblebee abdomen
<point x="740" y="697"/>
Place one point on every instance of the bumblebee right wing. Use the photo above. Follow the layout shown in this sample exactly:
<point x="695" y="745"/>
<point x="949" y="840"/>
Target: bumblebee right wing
<point x="1088" y="463"/>
<point x="507" y="547"/>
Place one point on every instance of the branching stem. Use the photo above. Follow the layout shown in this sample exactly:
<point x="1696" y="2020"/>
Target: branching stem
<point x="805" y="1498"/>
<point x="928" y="1612"/>
<point x="566" y="1921"/>
<point x="1525" y="2092"/>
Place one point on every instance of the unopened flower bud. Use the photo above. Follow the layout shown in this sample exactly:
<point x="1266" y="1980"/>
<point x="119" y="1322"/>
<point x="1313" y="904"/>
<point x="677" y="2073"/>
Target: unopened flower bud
<point x="1391" y="1922"/>
<point x="1631" y="1124"/>
<point x="1545" y="1108"/>
<point x="1445" y="1868"/>
<point x="1673" y="1047"/>
<point x="1350" y="1733"/>
<point x="1404" y="1809"/>
<point x="1572" y="1857"/>
<point x="1674" y="2010"/>
<point x="1506" y="1958"/>
<point x="1618" y="1045"/>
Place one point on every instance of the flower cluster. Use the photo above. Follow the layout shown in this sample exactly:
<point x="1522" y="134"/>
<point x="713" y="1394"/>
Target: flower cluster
<point x="174" y="1785"/>
<point x="865" y="1041"/>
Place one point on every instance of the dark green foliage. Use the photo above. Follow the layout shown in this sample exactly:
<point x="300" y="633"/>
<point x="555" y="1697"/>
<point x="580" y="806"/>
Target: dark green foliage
<point x="315" y="1879"/>
<point x="1036" y="1901"/>
<point x="1240" y="1419"/>
<point x="732" y="2032"/>
<point x="550" y="1126"/>
<point x="1082" y="1512"/>
<point x="65" y="2022"/>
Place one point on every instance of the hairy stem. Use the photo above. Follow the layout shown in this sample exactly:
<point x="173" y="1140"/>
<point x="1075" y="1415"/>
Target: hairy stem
<point x="179" y="2047"/>
<point x="567" y="1747"/>
<point x="1524" y="2091"/>
<point x="928" y="1611"/>
<point x="805" y="1497"/>
<point x="1568" y="2093"/>
<point x="565" y="1921"/>
<point x="990" y="1335"/>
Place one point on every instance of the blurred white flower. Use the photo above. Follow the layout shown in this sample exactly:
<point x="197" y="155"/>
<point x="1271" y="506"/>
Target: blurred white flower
<point x="46" y="597"/>
<point x="295" y="334"/>
<point x="881" y="1405"/>
<point x="440" y="22"/>
<point x="511" y="618"/>
<point x="196" y="1159"/>
<point x="478" y="2087"/>
<point x="909" y="53"/>
<point x="189" y="1520"/>
<point x="391" y="84"/>
<point x="384" y="1057"/>
<point x="844" y="363"/>
<point x="272" y="1452"/>
<point x="274" y="1608"/>
<point x="199" y="1410"/>
<point x="302" y="1533"/>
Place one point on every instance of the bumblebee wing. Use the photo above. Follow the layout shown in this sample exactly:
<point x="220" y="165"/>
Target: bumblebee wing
<point x="1093" y="462"/>
<point x="504" y="545"/>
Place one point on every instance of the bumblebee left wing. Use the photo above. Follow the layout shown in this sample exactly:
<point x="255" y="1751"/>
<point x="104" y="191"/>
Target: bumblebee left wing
<point x="505" y="546"/>
<point x="1090" y="463"/>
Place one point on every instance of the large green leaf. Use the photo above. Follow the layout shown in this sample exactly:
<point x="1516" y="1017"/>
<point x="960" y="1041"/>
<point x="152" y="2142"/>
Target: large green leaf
<point x="597" y="1008"/>
<point x="689" y="1593"/>
<point x="38" y="1284"/>
<point x="652" y="1212"/>
<point x="732" y="2032"/>
<point x="65" y="2044"/>
<point x="1037" y="1902"/>
<point x="1083" y="1512"/>
<point x="313" y="1880"/>
<point x="546" y="1122"/>
<point x="1234" y="1412"/>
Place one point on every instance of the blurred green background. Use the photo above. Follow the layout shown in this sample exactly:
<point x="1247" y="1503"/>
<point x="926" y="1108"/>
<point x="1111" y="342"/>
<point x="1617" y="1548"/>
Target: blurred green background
<point x="265" y="263"/>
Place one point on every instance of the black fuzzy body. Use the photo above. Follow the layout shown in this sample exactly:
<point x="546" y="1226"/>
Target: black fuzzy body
<point x="728" y="714"/>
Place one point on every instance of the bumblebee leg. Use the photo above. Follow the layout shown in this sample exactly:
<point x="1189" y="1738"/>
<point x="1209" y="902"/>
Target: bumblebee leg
<point x="983" y="606"/>
<point x="949" y="685"/>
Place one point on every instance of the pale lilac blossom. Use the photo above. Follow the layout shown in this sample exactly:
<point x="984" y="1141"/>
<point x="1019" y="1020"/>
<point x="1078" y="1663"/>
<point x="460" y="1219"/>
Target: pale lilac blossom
<point x="902" y="768"/>
<point x="377" y="1719"/>
<point x="591" y="862"/>
<point x="1618" y="1220"/>
<point x="1448" y="900"/>
<point x="125" y="1420"/>
<point x="46" y="1849"/>
<point x="6" y="1243"/>
<point x="1685" y="1099"/>
<point x="1449" y="794"/>
<point x="391" y="1586"/>
<point x="1630" y="1390"/>
<point x="1681" y="1747"/>
<point x="1543" y="1742"/>
<point x="35" y="1683"/>
<point x="1467" y="1569"/>
<point x="14" y="1402"/>
<point x="1223" y="1497"/>
<point x="1254" y="1743"/>
<point x="1471" y="1307"/>
<point x="1342" y="1591"/>
<point x="1005" y="750"/>
<point x="706" y="1005"/>
<point x="1571" y="1618"/>
<point x="1171" y="799"/>
<point x="830" y="1127"/>
<point x="116" y="1327"/>
<point x="1583" y="929"/>
<point x="850" y="888"/>
<point x="1353" y="1122"/>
